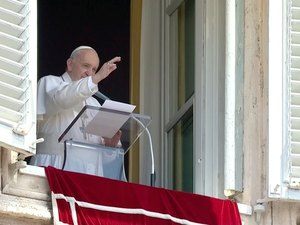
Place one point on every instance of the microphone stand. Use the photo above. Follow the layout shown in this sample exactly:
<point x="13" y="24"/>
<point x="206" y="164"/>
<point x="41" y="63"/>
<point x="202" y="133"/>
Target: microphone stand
<point x="152" y="175"/>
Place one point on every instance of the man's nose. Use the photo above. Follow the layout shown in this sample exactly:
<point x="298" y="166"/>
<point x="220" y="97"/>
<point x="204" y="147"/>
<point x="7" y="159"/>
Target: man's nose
<point x="91" y="72"/>
<point x="88" y="72"/>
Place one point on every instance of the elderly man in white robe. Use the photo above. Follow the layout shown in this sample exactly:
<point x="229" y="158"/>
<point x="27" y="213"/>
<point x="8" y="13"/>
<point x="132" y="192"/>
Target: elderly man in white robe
<point x="60" y="99"/>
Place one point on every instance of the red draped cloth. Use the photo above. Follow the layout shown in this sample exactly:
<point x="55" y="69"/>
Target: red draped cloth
<point x="89" y="200"/>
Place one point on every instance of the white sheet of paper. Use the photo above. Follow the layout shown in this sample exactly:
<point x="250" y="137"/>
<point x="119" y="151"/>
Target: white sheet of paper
<point x="107" y="123"/>
<point x="119" y="106"/>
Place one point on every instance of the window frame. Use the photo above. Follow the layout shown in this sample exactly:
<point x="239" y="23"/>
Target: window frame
<point x="171" y="94"/>
<point x="279" y="176"/>
<point x="207" y="101"/>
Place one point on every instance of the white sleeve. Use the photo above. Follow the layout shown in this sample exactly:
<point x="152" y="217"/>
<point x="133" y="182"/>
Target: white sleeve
<point x="91" y="85"/>
<point x="55" y="95"/>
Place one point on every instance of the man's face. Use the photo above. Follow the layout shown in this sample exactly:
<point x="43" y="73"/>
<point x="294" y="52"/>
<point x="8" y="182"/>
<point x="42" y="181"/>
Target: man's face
<point x="84" y="63"/>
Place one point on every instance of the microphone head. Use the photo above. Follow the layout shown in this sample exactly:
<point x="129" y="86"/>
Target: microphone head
<point x="101" y="96"/>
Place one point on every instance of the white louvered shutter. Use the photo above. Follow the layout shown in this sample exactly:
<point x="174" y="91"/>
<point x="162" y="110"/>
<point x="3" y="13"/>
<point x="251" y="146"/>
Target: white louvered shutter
<point x="294" y="94"/>
<point x="18" y="75"/>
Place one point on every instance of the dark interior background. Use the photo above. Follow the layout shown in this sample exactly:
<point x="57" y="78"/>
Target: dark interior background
<point x="104" y="25"/>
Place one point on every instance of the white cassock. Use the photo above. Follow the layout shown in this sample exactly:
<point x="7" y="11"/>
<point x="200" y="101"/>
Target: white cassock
<point x="59" y="101"/>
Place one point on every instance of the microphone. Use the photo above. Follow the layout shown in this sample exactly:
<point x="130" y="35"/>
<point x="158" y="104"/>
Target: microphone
<point x="101" y="96"/>
<point x="152" y="175"/>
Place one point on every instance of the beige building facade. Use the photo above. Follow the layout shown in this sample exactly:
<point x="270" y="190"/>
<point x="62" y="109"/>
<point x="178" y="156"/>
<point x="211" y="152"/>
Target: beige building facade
<point x="234" y="153"/>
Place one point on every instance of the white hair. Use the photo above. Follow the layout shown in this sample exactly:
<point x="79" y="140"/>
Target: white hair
<point x="76" y="50"/>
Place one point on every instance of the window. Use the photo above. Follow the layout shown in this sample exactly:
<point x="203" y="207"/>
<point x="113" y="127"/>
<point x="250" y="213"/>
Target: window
<point x="18" y="75"/>
<point x="180" y="94"/>
<point x="194" y="90"/>
<point x="284" y="100"/>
